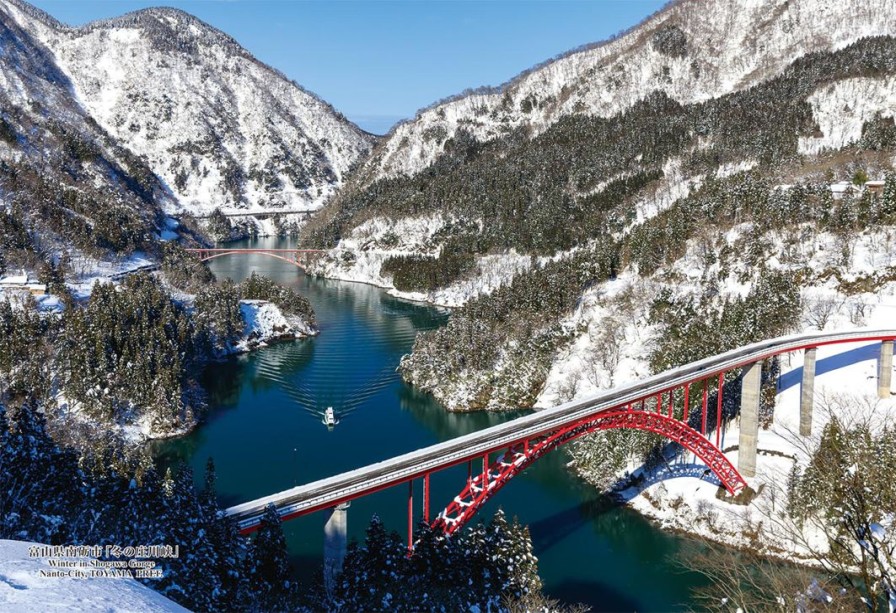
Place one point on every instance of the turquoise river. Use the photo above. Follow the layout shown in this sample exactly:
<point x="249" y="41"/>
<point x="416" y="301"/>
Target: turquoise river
<point x="265" y="433"/>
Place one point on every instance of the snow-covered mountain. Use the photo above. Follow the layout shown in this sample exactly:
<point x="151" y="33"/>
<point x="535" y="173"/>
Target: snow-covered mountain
<point x="220" y="128"/>
<point x="63" y="179"/>
<point x="692" y="50"/>
<point x="703" y="88"/>
<point x="612" y="161"/>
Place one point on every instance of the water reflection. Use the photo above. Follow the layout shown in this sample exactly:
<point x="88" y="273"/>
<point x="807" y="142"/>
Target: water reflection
<point x="265" y="434"/>
<point x="446" y="424"/>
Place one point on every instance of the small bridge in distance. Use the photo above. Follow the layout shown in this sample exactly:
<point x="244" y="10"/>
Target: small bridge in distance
<point x="264" y="214"/>
<point x="298" y="257"/>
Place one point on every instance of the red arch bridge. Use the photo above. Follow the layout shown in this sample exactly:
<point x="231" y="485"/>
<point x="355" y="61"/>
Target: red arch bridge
<point x="677" y="404"/>
<point x="298" y="257"/>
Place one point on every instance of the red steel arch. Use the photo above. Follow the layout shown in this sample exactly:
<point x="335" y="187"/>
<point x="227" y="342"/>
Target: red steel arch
<point x="281" y="254"/>
<point x="527" y="438"/>
<point x="240" y="252"/>
<point x="516" y="459"/>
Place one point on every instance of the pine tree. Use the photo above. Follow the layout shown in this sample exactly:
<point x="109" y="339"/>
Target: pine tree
<point x="209" y="495"/>
<point x="232" y="559"/>
<point x="887" y="201"/>
<point x="271" y="574"/>
<point x="192" y="576"/>
<point x="168" y="484"/>
<point x="514" y="547"/>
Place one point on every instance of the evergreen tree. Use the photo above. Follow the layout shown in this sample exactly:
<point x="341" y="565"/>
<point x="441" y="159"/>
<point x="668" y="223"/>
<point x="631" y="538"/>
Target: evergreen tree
<point x="514" y="546"/>
<point x="271" y="574"/>
<point x="491" y="562"/>
<point x="209" y="495"/>
<point x="888" y="199"/>
<point x="218" y="317"/>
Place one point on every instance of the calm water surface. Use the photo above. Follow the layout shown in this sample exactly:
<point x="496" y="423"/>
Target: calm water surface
<point x="265" y="434"/>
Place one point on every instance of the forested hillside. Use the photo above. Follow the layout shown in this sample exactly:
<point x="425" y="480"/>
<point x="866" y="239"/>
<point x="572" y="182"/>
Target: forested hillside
<point x="589" y="244"/>
<point x="63" y="179"/>
<point x="691" y="50"/>
<point x="585" y="175"/>
<point x="631" y="194"/>
<point x="128" y="359"/>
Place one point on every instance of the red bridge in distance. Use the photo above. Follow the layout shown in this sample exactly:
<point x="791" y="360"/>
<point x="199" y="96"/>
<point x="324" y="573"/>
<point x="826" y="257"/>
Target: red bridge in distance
<point x="298" y="257"/>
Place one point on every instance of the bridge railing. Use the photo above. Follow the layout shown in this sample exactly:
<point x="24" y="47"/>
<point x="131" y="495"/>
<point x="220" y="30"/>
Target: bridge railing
<point x="347" y="486"/>
<point x="291" y="256"/>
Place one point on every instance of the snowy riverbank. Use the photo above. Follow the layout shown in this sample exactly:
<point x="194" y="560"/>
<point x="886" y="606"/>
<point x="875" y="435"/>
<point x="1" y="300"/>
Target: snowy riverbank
<point x="682" y="495"/>
<point x="265" y="324"/>
<point x="360" y="256"/>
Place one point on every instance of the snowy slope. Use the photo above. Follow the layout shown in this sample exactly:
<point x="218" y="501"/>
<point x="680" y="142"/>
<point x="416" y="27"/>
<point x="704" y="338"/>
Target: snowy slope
<point x="842" y="108"/>
<point x="218" y="126"/>
<point x="715" y="57"/>
<point x="616" y="313"/>
<point x="266" y="323"/>
<point x="23" y="590"/>
<point x="615" y="338"/>
<point x="69" y="180"/>
<point x="691" y="505"/>
<point x="693" y="50"/>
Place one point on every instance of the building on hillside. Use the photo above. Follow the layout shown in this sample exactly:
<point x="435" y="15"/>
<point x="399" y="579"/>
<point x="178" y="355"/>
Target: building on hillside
<point x="875" y="187"/>
<point x="21" y="282"/>
<point x="843" y="188"/>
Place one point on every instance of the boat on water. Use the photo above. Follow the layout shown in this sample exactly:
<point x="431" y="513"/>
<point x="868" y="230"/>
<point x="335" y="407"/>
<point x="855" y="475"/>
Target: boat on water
<point x="329" y="417"/>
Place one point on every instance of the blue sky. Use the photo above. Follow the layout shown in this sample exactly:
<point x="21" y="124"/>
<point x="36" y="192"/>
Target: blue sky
<point x="381" y="60"/>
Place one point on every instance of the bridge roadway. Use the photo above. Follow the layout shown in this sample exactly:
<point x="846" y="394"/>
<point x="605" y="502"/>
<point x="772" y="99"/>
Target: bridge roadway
<point x="267" y="213"/>
<point x="238" y="250"/>
<point x="329" y="492"/>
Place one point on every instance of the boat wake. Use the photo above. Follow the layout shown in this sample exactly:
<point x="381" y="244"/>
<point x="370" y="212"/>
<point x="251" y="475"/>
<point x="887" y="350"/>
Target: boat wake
<point x="319" y="395"/>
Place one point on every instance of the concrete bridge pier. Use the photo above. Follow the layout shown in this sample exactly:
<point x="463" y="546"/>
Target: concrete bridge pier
<point x="335" y="543"/>
<point x="749" y="419"/>
<point x="807" y="392"/>
<point x="885" y="369"/>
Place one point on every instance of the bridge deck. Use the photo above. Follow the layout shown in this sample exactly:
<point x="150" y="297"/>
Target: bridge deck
<point x="251" y="250"/>
<point x="357" y="483"/>
<point x="262" y="213"/>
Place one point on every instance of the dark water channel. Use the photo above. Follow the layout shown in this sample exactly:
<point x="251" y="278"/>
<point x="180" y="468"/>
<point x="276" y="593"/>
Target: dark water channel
<point x="265" y="434"/>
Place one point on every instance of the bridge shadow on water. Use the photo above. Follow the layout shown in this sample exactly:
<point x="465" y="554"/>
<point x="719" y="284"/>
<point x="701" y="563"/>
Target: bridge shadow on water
<point x="553" y="529"/>
<point x="549" y="531"/>
<point x="618" y="540"/>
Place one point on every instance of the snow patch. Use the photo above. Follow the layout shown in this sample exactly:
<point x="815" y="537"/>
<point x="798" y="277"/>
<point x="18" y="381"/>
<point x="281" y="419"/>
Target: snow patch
<point x="23" y="589"/>
<point x="842" y="108"/>
<point x="266" y="323"/>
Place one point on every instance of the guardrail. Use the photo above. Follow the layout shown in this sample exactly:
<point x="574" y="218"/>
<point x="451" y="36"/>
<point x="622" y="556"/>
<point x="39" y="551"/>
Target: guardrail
<point x="350" y="485"/>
